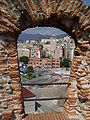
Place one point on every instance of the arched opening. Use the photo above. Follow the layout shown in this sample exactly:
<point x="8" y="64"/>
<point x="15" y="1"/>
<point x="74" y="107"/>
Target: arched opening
<point x="49" y="52"/>
<point x="71" y="17"/>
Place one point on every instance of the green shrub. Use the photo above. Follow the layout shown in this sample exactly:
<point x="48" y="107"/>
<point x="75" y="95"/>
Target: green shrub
<point x="30" y="70"/>
<point x="24" y="59"/>
<point x="66" y="63"/>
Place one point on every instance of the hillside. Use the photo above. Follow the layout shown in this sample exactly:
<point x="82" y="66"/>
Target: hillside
<point x="26" y="36"/>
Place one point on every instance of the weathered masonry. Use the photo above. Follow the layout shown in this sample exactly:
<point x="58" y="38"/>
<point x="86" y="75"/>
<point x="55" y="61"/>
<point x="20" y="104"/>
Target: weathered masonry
<point x="71" y="16"/>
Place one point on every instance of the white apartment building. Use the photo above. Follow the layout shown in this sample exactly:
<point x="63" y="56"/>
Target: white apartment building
<point x="58" y="52"/>
<point x="35" y="53"/>
<point x="45" y="40"/>
<point x="23" y="52"/>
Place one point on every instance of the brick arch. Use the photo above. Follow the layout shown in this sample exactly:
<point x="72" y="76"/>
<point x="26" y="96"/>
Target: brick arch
<point x="73" y="17"/>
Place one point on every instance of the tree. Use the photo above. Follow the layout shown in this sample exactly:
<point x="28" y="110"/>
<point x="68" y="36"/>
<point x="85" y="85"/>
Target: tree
<point x="61" y="62"/>
<point x="48" y="42"/>
<point x="41" y="47"/>
<point x="24" y="59"/>
<point x="30" y="70"/>
<point x="66" y="62"/>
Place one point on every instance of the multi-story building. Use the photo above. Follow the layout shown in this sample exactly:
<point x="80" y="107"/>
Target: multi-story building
<point x="45" y="41"/>
<point x="68" y="46"/>
<point x="24" y="45"/>
<point x="34" y="62"/>
<point x="71" y="53"/>
<point x="66" y="52"/>
<point x="55" y="48"/>
<point x="45" y="62"/>
<point x="48" y="48"/>
<point x="53" y="44"/>
<point x="58" y="52"/>
<point x="56" y="63"/>
<point x="23" y="52"/>
<point x="35" y="53"/>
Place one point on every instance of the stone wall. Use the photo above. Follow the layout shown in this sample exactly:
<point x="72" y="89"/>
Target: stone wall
<point x="78" y="92"/>
<point x="71" y="16"/>
<point x="10" y="86"/>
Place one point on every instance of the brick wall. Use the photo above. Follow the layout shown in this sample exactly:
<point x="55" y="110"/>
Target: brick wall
<point x="72" y="17"/>
<point x="10" y="86"/>
<point x="46" y="62"/>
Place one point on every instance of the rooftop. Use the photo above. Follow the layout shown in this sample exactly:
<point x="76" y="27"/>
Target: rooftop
<point x="48" y="116"/>
<point x="27" y="93"/>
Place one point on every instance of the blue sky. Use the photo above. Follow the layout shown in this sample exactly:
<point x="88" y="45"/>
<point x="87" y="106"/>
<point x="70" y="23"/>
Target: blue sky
<point x="86" y="1"/>
<point x="48" y="30"/>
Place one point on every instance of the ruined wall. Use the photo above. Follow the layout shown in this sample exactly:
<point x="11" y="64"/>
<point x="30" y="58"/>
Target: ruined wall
<point x="10" y="86"/>
<point x="72" y="16"/>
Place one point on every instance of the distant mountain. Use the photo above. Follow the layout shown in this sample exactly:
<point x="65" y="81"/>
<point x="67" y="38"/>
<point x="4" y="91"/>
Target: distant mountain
<point x="26" y="36"/>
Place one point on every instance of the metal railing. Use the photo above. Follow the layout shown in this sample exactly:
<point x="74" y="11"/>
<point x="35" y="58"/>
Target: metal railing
<point x="45" y="99"/>
<point x="32" y="84"/>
